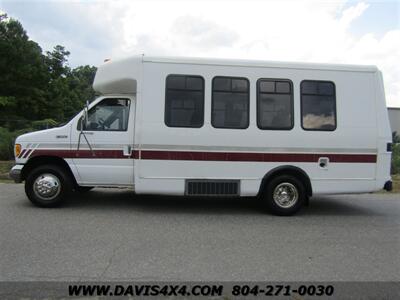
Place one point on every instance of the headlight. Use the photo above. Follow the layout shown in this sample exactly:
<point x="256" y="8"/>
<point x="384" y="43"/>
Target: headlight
<point x="17" y="150"/>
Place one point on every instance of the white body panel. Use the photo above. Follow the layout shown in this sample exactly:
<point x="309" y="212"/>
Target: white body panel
<point x="362" y="129"/>
<point x="100" y="170"/>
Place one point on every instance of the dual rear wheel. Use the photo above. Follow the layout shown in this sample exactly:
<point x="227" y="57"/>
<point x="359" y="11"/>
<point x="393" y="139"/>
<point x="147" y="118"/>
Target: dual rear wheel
<point x="284" y="195"/>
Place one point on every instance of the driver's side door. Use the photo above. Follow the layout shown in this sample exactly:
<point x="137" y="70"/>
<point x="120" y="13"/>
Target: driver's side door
<point x="104" y="146"/>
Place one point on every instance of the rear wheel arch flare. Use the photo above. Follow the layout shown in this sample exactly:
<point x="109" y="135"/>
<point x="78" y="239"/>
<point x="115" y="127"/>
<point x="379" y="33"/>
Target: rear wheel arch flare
<point x="287" y="170"/>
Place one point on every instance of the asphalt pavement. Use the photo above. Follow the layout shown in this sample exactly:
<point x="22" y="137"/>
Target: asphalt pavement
<point x="110" y="234"/>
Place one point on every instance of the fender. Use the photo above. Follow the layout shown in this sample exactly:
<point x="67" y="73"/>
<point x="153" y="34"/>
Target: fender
<point x="290" y="170"/>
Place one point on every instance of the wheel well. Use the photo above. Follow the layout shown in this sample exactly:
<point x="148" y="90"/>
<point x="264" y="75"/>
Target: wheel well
<point x="46" y="160"/>
<point x="287" y="170"/>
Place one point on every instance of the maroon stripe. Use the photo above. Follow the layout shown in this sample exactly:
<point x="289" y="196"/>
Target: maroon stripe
<point x="256" y="157"/>
<point x="135" y="154"/>
<point x="22" y="153"/>
<point x="210" y="156"/>
<point x="81" y="153"/>
<point x="27" y="153"/>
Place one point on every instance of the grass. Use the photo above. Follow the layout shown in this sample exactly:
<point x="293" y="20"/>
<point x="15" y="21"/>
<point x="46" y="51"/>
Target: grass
<point x="5" y="167"/>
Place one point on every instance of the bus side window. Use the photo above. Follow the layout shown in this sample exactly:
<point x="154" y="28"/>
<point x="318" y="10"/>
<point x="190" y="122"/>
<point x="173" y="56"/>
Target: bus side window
<point x="184" y="101"/>
<point x="274" y="104"/>
<point x="318" y="105"/>
<point x="230" y="102"/>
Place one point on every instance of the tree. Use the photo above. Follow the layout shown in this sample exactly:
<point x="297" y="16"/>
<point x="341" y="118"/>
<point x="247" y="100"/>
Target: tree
<point x="36" y="89"/>
<point x="57" y="62"/>
<point x="58" y="89"/>
<point x="24" y="74"/>
<point x="3" y="17"/>
<point x="80" y="84"/>
<point x="68" y="89"/>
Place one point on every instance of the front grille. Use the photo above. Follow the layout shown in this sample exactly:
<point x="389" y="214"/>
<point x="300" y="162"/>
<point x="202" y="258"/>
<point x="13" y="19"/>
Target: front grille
<point x="212" y="187"/>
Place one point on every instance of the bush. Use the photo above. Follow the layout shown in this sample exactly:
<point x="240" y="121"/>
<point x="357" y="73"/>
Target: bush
<point x="6" y="144"/>
<point x="395" y="168"/>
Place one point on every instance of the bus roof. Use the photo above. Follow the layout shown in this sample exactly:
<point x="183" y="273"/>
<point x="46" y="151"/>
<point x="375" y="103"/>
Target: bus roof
<point x="121" y="75"/>
<point x="259" y="63"/>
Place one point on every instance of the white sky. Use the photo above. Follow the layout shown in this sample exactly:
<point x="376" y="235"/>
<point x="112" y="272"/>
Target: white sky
<point x="355" y="32"/>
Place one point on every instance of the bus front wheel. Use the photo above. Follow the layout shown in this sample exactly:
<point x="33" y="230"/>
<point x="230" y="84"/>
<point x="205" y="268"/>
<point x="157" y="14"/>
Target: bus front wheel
<point x="48" y="186"/>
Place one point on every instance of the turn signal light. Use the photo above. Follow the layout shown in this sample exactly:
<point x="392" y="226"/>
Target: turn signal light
<point x="17" y="150"/>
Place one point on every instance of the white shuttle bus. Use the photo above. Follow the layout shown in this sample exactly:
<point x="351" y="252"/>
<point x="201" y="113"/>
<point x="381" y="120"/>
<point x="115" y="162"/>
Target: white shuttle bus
<point x="213" y="127"/>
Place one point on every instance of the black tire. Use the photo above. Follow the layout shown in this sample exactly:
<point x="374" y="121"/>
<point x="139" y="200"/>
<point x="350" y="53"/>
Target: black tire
<point x="83" y="189"/>
<point x="287" y="183"/>
<point x="61" y="182"/>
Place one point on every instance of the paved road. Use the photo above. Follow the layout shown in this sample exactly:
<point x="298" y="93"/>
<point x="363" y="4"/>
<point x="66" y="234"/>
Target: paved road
<point x="114" y="235"/>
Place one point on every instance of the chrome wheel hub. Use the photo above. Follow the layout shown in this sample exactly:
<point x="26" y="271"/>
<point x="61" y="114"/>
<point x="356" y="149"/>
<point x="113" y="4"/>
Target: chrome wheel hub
<point x="285" y="195"/>
<point x="47" y="186"/>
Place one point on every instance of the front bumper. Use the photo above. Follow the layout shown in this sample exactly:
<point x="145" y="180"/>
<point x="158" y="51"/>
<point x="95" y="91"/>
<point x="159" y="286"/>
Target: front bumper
<point x="15" y="173"/>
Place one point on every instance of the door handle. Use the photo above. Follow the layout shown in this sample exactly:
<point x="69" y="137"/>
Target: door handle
<point x="127" y="150"/>
<point x="88" y="132"/>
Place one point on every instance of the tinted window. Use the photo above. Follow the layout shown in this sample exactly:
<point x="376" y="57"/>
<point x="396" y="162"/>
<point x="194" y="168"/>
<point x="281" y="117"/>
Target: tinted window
<point x="240" y="85"/>
<point x="108" y="115"/>
<point x="222" y="84"/>
<point x="282" y="87"/>
<point x="274" y="104"/>
<point x="318" y="105"/>
<point x="230" y="102"/>
<point x="265" y="86"/>
<point x="184" y="101"/>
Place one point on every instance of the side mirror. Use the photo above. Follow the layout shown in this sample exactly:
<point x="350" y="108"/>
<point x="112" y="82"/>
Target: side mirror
<point x="85" y="117"/>
<point x="81" y="121"/>
<point x="87" y="114"/>
<point x="85" y="121"/>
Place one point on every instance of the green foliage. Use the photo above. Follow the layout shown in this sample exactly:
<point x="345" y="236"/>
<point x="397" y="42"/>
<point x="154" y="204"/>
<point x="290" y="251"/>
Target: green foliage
<point x="6" y="143"/>
<point x="395" y="137"/>
<point x="395" y="167"/>
<point x="36" y="86"/>
<point x="57" y="62"/>
<point x="6" y="101"/>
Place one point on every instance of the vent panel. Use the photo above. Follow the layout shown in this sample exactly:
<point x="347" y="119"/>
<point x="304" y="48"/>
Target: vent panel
<point x="212" y="187"/>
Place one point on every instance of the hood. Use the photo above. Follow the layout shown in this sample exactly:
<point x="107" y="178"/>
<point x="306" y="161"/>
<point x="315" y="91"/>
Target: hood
<point x="44" y="135"/>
